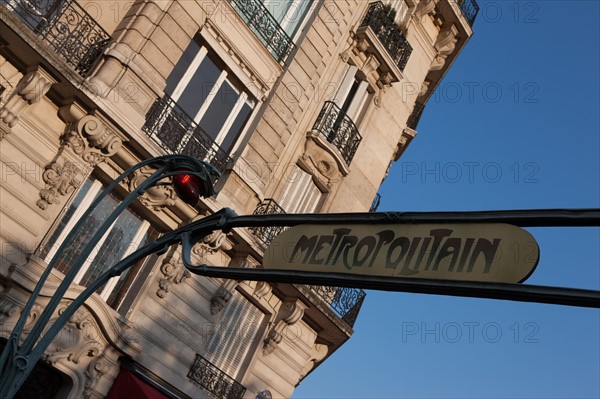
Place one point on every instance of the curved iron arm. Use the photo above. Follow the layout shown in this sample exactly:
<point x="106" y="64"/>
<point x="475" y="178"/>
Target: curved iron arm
<point x="158" y="246"/>
<point x="17" y="362"/>
<point x="516" y="292"/>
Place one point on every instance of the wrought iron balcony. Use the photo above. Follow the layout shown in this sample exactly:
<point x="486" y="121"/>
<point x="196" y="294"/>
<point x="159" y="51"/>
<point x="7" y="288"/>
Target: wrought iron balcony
<point x="415" y="116"/>
<point x="339" y="130"/>
<point x="376" y="202"/>
<point x="268" y="207"/>
<point x="266" y="28"/>
<point x="469" y="9"/>
<point x="66" y="27"/>
<point x="176" y="132"/>
<point x="345" y="302"/>
<point x="388" y="33"/>
<point x="215" y="381"/>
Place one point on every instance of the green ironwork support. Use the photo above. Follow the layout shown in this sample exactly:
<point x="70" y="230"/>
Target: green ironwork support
<point x="17" y="362"/>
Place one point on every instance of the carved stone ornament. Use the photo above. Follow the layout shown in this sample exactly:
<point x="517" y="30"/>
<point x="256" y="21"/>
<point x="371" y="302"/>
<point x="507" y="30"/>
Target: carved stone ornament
<point x="406" y="138"/>
<point x="445" y="45"/>
<point x="326" y="165"/>
<point x="424" y="88"/>
<point x="61" y="180"/>
<point x="425" y="7"/>
<point x="384" y="81"/>
<point x="224" y="292"/>
<point x="30" y="89"/>
<point x="222" y="296"/>
<point x="78" y="340"/>
<point x="211" y="243"/>
<point x="373" y="60"/>
<point x="262" y="289"/>
<point x="290" y="313"/>
<point x="156" y="197"/>
<point x="8" y="310"/>
<point x="92" y="140"/>
<point x="174" y="273"/>
<point x="318" y="353"/>
<point x="95" y="370"/>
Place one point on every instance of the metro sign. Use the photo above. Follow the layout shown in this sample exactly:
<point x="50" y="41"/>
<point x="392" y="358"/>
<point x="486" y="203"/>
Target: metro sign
<point x="492" y="252"/>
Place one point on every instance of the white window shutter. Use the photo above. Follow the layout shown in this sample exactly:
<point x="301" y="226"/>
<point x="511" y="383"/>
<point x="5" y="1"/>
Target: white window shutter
<point x="301" y="194"/>
<point x="233" y="335"/>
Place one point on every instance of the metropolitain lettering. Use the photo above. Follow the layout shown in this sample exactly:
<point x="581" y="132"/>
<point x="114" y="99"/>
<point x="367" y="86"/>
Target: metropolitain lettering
<point x="409" y="255"/>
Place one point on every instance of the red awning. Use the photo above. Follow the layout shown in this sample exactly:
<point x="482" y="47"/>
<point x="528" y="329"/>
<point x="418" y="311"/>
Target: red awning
<point x="128" y="386"/>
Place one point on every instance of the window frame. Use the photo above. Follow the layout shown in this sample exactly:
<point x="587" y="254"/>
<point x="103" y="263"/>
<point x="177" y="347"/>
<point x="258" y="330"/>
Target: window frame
<point x="92" y="191"/>
<point x="353" y="104"/>
<point x="226" y="75"/>
<point x="229" y="351"/>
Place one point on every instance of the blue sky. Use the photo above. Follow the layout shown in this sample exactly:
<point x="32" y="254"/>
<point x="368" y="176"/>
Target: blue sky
<point x="514" y="125"/>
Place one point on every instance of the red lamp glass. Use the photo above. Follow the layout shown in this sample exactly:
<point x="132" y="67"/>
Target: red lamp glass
<point x="188" y="187"/>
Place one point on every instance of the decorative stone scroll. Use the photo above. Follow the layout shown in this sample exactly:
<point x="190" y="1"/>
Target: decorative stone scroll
<point x="156" y="197"/>
<point x="322" y="160"/>
<point x="445" y="45"/>
<point x="290" y="313"/>
<point x="89" y="139"/>
<point x="222" y="296"/>
<point x="174" y="272"/>
<point x="424" y="88"/>
<point x="97" y="368"/>
<point x="211" y="244"/>
<point x="92" y="140"/>
<point x="81" y="350"/>
<point x="61" y="180"/>
<point x="360" y="53"/>
<point x="225" y="291"/>
<point x="425" y="7"/>
<point x="31" y="88"/>
<point x="407" y="136"/>
<point x="318" y="353"/>
<point x="262" y="289"/>
<point x="79" y="341"/>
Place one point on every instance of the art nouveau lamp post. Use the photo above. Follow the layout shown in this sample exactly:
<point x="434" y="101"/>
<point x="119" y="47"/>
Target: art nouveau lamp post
<point x="190" y="177"/>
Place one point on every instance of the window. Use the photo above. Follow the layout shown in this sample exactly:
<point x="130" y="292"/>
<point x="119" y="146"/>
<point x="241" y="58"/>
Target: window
<point x="235" y="331"/>
<point x="301" y="194"/>
<point x="288" y="13"/>
<point x="275" y="23"/>
<point x="36" y="13"/>
<point x="211" y="95"/>
<point x="125" y="235"/>
<point x="401" y="11"/>
<point x="353" y="95"/>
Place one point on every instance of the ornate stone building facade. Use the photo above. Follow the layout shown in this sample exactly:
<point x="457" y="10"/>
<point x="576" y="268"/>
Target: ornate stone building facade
<point x="301" y="105"/>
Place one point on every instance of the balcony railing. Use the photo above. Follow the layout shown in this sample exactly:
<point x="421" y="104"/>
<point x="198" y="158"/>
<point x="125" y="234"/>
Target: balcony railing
<point x="176" y="132"/>
<point x="345" y="302"/>
<point x="215" y="381"/>
<point x="339" y="130"/>
<point x="260" y="21"/>
<point x="66" y="27"/>
<point x="376" y="202"/>
<point x="469" y="9"/>
<point x="388" y="33"/>
<point x="415" y="116"/>
<point x="266" y="234"/>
